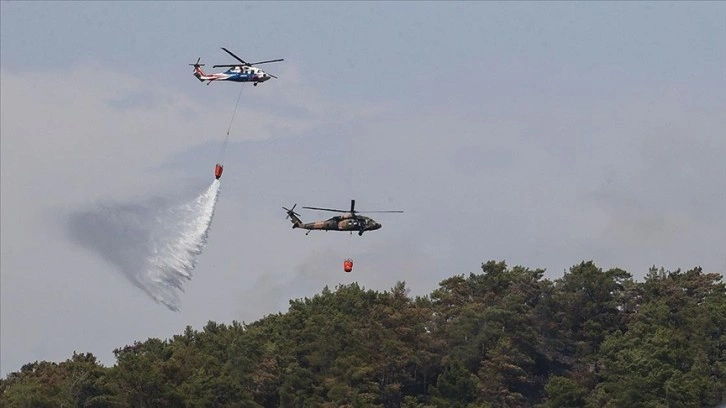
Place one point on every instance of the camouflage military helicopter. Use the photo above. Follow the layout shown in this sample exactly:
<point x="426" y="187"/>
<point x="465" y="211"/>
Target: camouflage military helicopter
<point x="349" y="221"/>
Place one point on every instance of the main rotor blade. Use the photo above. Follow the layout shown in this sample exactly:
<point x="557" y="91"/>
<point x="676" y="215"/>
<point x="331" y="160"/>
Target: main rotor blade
<point x="368" y="212"/>
<point x="228" y="66"/>
<point x="326" y="209"/>
<point x="235" y="57"/>
<point x="265" y="62"/>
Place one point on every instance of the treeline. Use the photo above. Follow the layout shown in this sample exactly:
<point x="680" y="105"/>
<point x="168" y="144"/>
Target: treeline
<point x="505" y="337"/>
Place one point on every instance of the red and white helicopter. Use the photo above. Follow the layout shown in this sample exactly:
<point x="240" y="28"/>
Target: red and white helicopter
<point x="244" y="72"/>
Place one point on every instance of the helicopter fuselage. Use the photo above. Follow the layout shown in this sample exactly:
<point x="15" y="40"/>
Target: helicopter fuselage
<point x="348" y="221"/>
<point x="246" y="74"/>
<point x="345" y="222"/>
<point x="234" y="74"/>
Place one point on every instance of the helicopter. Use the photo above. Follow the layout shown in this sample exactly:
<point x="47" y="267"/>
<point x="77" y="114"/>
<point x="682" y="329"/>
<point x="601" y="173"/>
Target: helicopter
<point x="349" y="221"/>
<point x="244" y="72"/>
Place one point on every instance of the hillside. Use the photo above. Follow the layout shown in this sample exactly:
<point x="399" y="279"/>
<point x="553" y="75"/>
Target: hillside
<point x="502" y="337"/>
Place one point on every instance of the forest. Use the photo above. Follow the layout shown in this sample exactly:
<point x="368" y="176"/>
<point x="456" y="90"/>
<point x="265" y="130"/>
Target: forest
<point x="504" y="337"/>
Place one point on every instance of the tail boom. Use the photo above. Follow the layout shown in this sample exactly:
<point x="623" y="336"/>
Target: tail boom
<point x="201" y="75"/>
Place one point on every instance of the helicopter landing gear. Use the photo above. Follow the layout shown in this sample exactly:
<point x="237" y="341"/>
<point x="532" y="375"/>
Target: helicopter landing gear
<point x="308" y="232"/>
<point x="360" y="233"/>
<point x="255" y="84"/>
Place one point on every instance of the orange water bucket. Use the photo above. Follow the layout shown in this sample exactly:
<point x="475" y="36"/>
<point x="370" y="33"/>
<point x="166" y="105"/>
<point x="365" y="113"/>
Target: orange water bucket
<point x="348" y="265"/>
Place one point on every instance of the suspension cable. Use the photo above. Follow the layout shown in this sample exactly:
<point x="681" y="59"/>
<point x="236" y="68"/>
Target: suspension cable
<point x="229" y="129"/>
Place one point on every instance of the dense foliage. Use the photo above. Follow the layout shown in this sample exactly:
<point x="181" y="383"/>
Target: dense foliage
<point x="504" y="337"/>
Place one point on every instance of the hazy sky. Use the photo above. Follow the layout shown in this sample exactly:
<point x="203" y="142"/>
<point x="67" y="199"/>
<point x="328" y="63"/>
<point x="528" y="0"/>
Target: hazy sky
<point x="542" y="134"/>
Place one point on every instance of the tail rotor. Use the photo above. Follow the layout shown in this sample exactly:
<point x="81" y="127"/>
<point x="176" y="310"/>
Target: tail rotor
<point x="291" y="211"/>
<point x="199" y="73"/>
<point x="197" y="64"/>
<point x="293" y="216"/>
